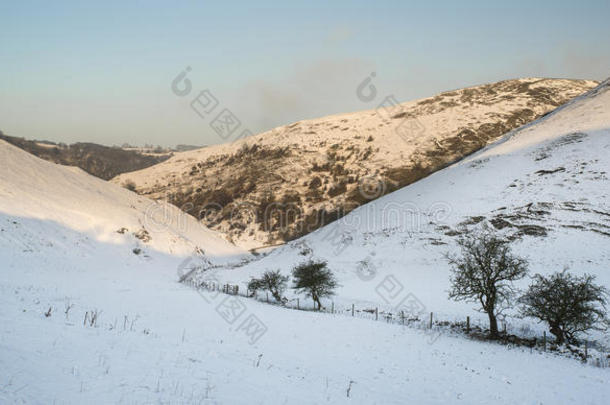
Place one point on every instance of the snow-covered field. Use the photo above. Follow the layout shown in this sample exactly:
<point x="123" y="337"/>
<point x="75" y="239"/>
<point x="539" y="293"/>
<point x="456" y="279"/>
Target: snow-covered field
<point x="155" y="340"/>
<point x="176" y="347"/>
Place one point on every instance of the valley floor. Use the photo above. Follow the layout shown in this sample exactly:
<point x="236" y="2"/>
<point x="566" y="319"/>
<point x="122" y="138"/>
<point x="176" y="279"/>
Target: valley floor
<point x="156" y="341"/>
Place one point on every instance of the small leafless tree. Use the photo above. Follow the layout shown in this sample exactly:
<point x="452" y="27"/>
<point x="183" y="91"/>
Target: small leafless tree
<point x="272" y="281"/>
<point x="484" y="274"/>
<point x="569" y="304"/>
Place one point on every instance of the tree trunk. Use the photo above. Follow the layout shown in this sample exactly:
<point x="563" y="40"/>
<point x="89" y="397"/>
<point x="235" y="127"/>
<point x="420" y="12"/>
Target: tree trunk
<point x="314" y="297"/>
<point x="276" y="295"/>
<point x="493" y="324"/>
<point x="559" y="335"/>
<point x="319" y="303"/>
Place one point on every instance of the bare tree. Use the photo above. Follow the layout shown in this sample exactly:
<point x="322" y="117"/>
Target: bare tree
<point x="569" y="304"/>
<point x="315" y="280"/>
<point x="484" y="274"/>
<point x="271" y="281"/>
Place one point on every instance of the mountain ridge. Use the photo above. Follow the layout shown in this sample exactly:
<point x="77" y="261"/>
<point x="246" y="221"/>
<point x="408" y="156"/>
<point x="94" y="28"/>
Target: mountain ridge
<point x="98" y="160"/>
<point x="284" y="183"/>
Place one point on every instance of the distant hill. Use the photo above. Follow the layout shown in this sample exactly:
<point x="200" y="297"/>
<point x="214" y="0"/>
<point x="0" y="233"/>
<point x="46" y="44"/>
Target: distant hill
<point x="287" y="182"/>
<point x="101" y="161"/>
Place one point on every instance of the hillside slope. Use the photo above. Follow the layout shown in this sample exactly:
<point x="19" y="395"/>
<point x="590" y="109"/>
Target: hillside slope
<point x="101" y="161"/>
<point x="289" y="181"/>
<point x="85" y="320"/>
<point x="545" y="186"/>
<point x="37" y="197"/>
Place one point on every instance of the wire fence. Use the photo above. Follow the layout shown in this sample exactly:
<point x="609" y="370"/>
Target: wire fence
<point x="591" y="354"/>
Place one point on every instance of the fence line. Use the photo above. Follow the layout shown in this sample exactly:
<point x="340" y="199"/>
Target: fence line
<point x="397" y="317"/>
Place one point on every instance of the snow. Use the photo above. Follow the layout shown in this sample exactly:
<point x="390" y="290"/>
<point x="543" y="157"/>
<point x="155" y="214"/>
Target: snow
<point x="35" y="189"/>
<point x="369" y="143"/>
<point x="159" y="341"/>
<point x="180" y="350"/>
<point x="402" y="238"/>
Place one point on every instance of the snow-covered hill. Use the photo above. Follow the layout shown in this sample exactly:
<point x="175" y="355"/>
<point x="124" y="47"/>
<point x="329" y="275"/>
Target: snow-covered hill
<point x="546" y="186"/>
<point x="291" y="180"/>
<point x="42" y="202"/>
<point x="85" y="320"/>
<point x="92" y="315"/>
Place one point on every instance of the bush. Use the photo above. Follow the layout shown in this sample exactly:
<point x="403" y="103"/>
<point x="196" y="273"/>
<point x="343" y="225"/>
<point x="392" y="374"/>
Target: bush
<point x="568" y="304"/>
<point x="271" y="281"/>
<point x="484" y="274"/>
<point x="315" y="280"/>
<point x="130" y="185"/>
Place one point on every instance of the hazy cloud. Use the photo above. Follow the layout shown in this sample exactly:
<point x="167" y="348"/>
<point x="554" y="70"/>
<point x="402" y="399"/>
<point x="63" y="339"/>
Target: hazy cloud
<point x="324" y="87"/>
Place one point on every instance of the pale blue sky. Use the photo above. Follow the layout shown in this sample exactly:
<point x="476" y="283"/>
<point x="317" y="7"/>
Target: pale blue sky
<point x="102" y="72"/>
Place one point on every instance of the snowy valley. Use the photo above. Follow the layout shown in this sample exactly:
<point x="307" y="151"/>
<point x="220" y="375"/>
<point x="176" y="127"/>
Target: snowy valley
<point x="93" y="310"/>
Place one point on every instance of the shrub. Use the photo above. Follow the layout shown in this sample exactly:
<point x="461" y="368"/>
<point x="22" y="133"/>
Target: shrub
<point x="315" y="280"/>
<point x="315" y="182"/>
<point x="568" y="304"/>
<point x="271" y="281"/>
<point x="337" y="189"/>
<point x="130" y="185"/>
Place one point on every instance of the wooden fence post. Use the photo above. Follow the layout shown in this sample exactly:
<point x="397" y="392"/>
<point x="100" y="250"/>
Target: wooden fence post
<point x="586" y="351"/>
<point x="352" y="309"/>
<point x="467" y="324"/>
<point x="376" y="314"/>
<point x="430" y="320"/>
<point x="402" y="317"/>
<point x="544" y="341"/>
<point x="267" y="297"/>
<point x="332" y="307"/>
<point x="298" y="306"/>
